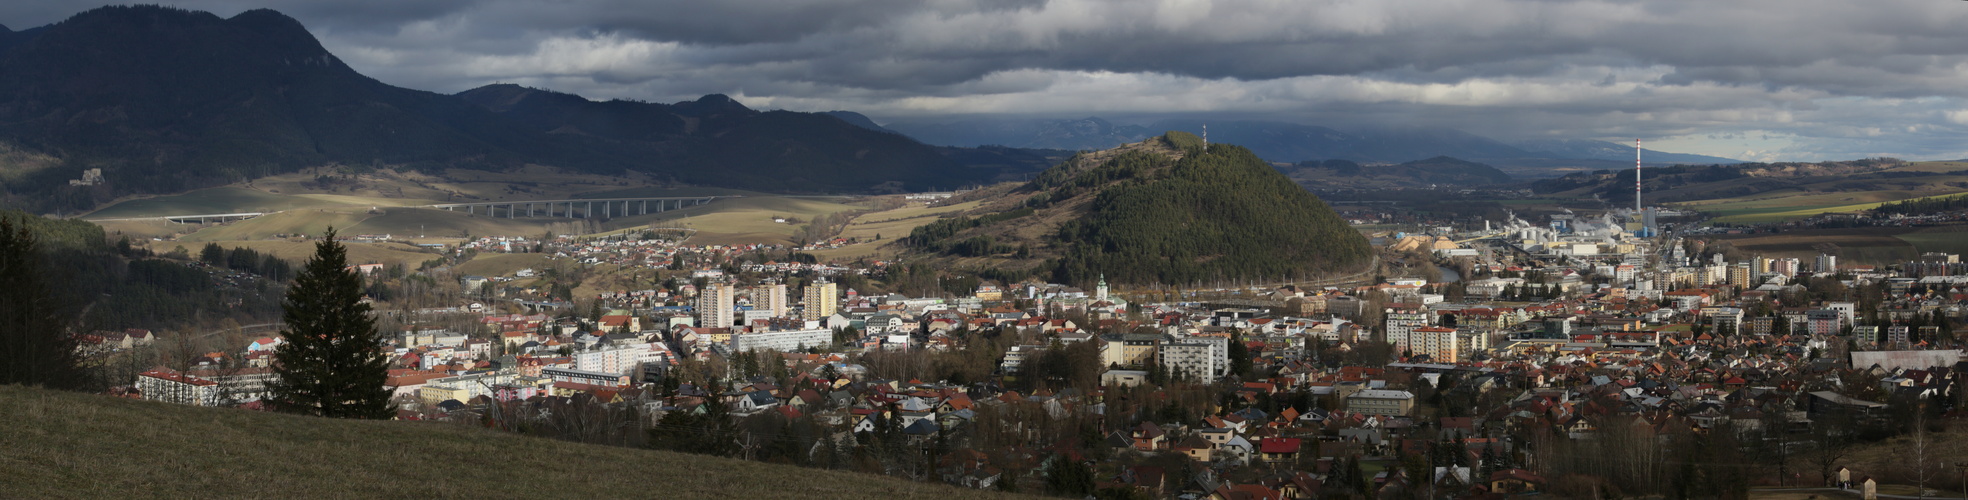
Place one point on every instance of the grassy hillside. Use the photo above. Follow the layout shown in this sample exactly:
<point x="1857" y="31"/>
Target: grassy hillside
<point x="208" y="201"/>
<point x="741" y="220"/>
<point x="68" y="445"/>
<point x="1792" y="204"/>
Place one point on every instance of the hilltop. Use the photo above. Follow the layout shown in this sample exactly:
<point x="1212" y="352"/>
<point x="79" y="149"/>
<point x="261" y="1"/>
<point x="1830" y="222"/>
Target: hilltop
<point x="71" y="445"/>
<point x="1164" y="210"/>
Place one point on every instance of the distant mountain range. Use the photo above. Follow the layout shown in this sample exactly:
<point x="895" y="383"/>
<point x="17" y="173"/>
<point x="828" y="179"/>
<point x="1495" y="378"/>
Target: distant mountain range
<point x="168" y="100"/>
<point x="1437" y="171"/>
<point x="1284" y="142"/>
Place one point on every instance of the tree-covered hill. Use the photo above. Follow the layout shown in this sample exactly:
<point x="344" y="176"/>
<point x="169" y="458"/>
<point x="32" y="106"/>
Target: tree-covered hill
<point x="1169" y="210"/>
<point x="108" y="285"/>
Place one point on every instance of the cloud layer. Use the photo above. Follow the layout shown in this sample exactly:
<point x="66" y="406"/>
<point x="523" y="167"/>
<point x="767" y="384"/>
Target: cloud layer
<point x="1754" y="79"/>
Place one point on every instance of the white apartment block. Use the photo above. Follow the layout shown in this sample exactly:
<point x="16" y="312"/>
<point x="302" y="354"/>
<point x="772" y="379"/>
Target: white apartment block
<point x="782" y="340"/>
<point x="1195" y="360"/>
<point x="618" y="357"/>
<point x="164" y="384"/>
<point x="1014" y="358"/>
<point x="1399" y="322"/>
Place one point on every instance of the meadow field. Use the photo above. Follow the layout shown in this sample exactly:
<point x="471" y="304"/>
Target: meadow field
<point x="73" y="445"/>
<point x="1793" y="204"/>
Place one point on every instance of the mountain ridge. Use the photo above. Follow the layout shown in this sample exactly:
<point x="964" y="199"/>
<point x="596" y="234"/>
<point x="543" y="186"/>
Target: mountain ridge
<point x="169" y="100"/>
<point x="1275" y="141"/>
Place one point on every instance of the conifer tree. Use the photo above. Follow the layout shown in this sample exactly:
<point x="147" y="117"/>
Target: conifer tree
<point x="331" y="363"/>
<point x="35" y="345"/>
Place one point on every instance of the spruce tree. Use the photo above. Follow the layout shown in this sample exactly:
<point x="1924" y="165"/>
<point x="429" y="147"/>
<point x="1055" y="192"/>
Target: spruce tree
<point x="35" y="345"/>
<point x="331" y="363"/>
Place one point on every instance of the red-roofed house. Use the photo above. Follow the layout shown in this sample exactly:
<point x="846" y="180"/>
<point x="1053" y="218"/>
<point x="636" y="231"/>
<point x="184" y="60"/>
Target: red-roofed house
<point x="1277" y="450"/>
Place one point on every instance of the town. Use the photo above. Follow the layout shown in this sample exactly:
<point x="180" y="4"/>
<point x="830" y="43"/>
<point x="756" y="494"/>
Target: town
<point x="1574" y="356"/>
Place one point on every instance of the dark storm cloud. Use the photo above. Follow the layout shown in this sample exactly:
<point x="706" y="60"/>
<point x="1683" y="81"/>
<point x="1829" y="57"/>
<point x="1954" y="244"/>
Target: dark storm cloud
<point x="1822" y="78"/>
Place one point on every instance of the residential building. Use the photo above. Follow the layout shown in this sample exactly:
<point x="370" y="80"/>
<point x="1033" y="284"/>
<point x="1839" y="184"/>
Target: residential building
<point x="1194" y="360"/>
<point x="164" y="384"/>
<point x="1380" y="402"/>
<point x="561" y="376"/>
<point x="822" y="299"/>
<point x="772" y="298"/>
<point x="1898" y="338"/>
<point x="781" y="340"/>
<point x="1826" y="321"/>
<point x="1400" y="321"/>
<point x="714" y="306"/>
<point x="1015" y="358"/>
<point x="1438" y="343"/>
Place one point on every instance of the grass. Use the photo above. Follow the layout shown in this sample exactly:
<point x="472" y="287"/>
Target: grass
<point x="890" y="225"/>
<point x="500" y="264"/>
<point x="358" y="253"/>
<point x="1789" y="203"/>
<point x="1950" y="239"/>
<point x="1792" y="204"/>
<point x="69" y="445"/>
<point x="1799" y="495"/>
<point x="1872" y="245"/>
<point x="741" y="220"/>
<point x="221" y="200"/>
<point x="398" y="222"/>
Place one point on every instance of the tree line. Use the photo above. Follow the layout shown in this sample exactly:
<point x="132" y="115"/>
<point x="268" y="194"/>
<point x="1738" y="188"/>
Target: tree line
<point x="1928" y="205"/>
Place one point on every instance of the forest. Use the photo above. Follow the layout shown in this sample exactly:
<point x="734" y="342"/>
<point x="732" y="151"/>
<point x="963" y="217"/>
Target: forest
<point x="1929" y="205"/>
<point x="113" y="286"/>
<point x="1216" y="215"/>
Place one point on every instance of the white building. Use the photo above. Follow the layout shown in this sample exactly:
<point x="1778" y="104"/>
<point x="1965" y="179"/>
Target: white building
<point x="782" y="340"/>
<point x="1015" y="358"/>
<point x="167" y="385"/>
<point x="1195" y="360"/>
<point x="614" y="357"/>
<point x="1401" y="321"/>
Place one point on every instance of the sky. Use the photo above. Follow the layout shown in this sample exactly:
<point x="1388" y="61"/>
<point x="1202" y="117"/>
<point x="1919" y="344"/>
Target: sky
<point x="1761" y="80"/>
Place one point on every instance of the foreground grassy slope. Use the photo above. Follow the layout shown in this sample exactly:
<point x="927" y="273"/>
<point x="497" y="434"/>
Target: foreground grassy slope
<point x="67" y="445"/>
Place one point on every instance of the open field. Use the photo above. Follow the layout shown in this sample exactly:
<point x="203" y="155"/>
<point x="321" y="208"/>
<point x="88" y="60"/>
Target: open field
<point x="740" y="220"/>
<point x="1877" y="245"/>
<point x="888" y="225"/>
<point x="1872" y="244"/>
<point x="1793" y="204"/>
<point x="70" y="445"/>
<point x="220" y="200"/>
<point x="300" y="251"/>
<point x="1950" y="239"/>
<point x="500" y="264"/>
<point x="387" y="188"/>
